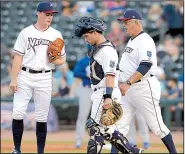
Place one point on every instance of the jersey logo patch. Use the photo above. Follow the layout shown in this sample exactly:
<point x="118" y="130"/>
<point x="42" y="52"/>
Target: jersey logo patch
<point x="128" y="49"/>
<point x="149" y="54"/>
<point x="33" y="42"/>
<point x="112" y="64"/>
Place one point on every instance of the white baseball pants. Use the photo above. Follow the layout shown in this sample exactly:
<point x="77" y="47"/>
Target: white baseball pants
<point x="37" y="85"/>
<point x="143" y="96"/>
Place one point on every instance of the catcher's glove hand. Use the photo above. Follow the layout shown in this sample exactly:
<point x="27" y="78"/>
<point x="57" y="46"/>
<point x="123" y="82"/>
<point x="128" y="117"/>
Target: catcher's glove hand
<point x="112" y="115"/>
<point x="54" y="49"/>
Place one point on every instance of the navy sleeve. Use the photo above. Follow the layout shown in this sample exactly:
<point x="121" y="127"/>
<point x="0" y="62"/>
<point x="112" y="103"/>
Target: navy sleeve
<point x="144" y="67"/>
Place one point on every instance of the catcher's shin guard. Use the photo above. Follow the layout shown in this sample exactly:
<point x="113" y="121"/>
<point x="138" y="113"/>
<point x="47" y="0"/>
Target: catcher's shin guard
<point x="121" y="143"/>
<point x="96" y="141"/>
<point x="95" y="146"/>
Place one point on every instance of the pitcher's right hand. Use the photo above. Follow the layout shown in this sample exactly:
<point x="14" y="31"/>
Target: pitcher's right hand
<point x="13" y="86"/>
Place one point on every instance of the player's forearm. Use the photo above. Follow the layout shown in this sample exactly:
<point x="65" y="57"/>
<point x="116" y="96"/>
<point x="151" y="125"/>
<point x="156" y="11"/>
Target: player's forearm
<point x="60" y="61"/>
<point x="135" y="77"/>
<point x="109" y="81"/>
<point x="16" y="66"/>
<point x="143" y="68"/>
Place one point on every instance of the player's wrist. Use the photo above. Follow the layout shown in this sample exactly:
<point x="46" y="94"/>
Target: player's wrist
<point x="108" y="100"/>
<point x="108" y="93"/>
<point x="14" y="79"/>
<point x="128" y="82"/>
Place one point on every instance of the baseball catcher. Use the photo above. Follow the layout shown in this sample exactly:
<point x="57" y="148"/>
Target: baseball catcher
<point x="54" y="49"/>
<point x="105" y="110"/>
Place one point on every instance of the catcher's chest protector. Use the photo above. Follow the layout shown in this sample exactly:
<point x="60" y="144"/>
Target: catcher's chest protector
<point x="97" y="73"/>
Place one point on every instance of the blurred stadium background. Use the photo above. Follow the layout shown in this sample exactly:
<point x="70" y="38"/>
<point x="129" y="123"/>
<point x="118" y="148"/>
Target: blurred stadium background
<point x="163" y="20"/>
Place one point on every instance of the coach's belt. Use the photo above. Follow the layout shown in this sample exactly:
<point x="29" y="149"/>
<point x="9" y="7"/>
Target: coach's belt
<point x="140" y="80"/>
<point x="34" y="71"/>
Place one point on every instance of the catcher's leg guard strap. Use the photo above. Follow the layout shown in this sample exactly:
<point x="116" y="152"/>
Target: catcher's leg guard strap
<point x="120" y="142"/>
<point x="95" y="146"/>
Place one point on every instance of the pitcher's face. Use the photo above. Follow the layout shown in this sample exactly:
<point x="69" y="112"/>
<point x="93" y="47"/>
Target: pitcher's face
<point x="45" y="18"/>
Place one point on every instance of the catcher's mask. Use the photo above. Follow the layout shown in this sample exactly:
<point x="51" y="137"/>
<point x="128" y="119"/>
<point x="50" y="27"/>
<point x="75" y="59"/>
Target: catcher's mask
<point x="87" y="24"/>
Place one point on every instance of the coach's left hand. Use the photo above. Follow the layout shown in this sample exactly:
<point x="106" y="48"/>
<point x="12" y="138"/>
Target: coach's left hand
<point x="123" y="88"/>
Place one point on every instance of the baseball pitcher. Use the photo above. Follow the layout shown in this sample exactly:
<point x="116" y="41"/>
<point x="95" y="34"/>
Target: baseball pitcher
<point x="38" y="49"/>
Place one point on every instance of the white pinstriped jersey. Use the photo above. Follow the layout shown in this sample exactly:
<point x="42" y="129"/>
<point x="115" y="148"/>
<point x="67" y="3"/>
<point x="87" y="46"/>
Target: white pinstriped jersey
<point x="140" y="49"/>
<point x="33" y="45"/>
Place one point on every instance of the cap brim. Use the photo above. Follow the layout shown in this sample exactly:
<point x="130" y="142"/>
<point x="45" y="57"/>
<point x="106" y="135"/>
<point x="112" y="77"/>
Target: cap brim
<point x="51" y="11"/>
<point x="121" y="18"/>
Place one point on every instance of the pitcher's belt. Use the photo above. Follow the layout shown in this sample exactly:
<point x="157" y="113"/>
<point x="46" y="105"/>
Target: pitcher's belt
<point x="34" y="71"/>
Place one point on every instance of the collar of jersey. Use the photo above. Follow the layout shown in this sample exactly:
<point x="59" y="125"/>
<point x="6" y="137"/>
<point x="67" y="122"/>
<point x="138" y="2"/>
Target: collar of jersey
<point x="95" y="48"/>
<point x="39" y="30"/>
<point x="137" y="35"/>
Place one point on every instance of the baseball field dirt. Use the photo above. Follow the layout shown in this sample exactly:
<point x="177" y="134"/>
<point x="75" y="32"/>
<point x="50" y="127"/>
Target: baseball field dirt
<point x="63" y="142"/>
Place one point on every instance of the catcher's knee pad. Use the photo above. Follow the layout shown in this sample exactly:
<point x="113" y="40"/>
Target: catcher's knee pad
<point x="120" y="142"/>
<point x="96" y="141"/>
<point x="92" y="127"/>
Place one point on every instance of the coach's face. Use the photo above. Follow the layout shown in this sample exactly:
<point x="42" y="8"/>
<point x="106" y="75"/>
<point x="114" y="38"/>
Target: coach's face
<point x="45" y="18"/>
<point x="129" y="26"/>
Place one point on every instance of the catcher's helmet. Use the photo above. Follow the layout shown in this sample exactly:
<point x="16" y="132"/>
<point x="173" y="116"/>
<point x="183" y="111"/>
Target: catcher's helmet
<point x="86" y="24"/>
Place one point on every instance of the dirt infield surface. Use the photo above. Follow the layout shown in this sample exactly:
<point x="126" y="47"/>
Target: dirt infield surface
<point x="63" y="142"/>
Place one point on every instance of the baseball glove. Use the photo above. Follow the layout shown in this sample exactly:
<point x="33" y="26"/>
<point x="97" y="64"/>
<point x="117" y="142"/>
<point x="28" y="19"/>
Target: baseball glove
<point x="54" y="49"/>
<point x="112" y="115"/>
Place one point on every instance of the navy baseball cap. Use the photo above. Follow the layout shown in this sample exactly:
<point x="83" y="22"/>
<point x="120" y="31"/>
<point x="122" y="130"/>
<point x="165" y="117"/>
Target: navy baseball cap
<point x="46" y="7"/>
<point x="131" y="14"/>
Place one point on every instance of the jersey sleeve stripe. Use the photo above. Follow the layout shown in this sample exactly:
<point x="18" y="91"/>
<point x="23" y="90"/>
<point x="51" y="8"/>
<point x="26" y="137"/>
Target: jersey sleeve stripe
<point x="63" y="55"/>
<point x="148" y="61"/>
<point x="111" y="73"/>
<point x="18" y="52"/>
